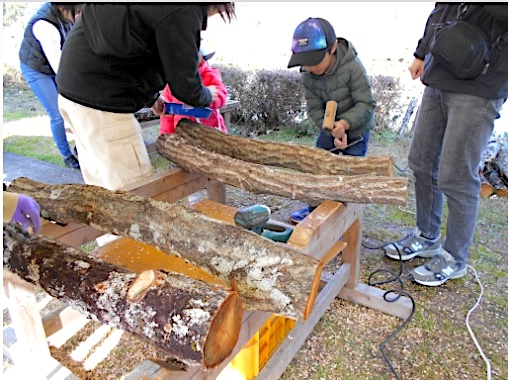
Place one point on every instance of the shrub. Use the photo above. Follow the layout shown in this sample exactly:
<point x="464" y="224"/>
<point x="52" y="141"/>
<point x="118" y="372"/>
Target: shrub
<point x="268" y="98"/>
<point x="389" y="108"/>
<point x="271" y="98"/>
<point x="12" y="77"/>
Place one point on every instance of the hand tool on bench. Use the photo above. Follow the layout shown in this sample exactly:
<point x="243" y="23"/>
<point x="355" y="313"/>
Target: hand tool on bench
<point x="257" y="219"/>
<point x="186" y="110"/>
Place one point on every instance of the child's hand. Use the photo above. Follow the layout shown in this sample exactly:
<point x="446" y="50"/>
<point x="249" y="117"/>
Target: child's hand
<point x="213" y="91"/>
<point x="339" y="133"/>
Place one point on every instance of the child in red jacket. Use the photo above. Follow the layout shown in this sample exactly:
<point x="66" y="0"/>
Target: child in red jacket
<point x="210" y="77"/>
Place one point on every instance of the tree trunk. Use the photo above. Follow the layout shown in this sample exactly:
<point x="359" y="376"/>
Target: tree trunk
<point x="291" y="156"/>
<point x="405" y="121"/>
<point x="268" y="276"/>
<point x="310" y="188"/>
<point x="190" y="320"/>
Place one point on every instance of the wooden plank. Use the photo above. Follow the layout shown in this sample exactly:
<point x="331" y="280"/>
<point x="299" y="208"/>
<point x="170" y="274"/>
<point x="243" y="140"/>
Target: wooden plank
<point x="216" y="191"/>
<point x="319" y="231"/>
<point x="175" y="184"/>
<point x="160" y="182"/>
<point x="290" y="346"/>
<point x="26" y="319"/>
<point x="332" y="252"/>
<point x="372" y="298"/>
<point x="351" y="253"/>
<point x="58" y="319"/>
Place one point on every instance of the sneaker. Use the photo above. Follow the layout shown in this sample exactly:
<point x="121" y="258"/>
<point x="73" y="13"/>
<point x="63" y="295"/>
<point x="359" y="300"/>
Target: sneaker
<point x="438" y="269"/>
<point x="72" y="162"/>
<point x="300" y="215"/>
<point x="412" y="245"/>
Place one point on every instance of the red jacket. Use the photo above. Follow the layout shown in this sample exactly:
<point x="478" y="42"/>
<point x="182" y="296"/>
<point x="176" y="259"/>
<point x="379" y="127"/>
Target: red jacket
<point x="210" y="77"/>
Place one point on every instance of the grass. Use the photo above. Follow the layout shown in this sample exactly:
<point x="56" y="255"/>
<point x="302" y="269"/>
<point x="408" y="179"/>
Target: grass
<point x="40" y="147"/>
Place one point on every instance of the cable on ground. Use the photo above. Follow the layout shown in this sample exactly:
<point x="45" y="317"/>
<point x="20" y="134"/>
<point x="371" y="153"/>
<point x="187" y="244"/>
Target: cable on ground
<point x="386" y="296"/>
<point x="478" y="347"/>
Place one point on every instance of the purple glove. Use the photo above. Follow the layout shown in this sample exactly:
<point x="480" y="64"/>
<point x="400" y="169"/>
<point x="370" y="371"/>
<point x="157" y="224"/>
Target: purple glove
<point x="27" y="213"/>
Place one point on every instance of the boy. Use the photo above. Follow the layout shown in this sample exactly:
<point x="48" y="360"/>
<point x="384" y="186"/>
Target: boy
<point x="331" y="70"/>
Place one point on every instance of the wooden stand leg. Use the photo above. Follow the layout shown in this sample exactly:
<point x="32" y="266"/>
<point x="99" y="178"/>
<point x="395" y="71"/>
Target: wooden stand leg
<point x="217" y="192"/>
<point x="363" y="294"/>
<point x="26" y="319"/>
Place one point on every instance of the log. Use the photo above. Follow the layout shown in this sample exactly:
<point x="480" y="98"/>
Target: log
<point x="486" y="189"/>
<point x="187" y="319"/>
<point x="268" y="276"/>
<point x="291" y="156"/>
<point x="310" y="188"/>
<point x="493" y="175"/>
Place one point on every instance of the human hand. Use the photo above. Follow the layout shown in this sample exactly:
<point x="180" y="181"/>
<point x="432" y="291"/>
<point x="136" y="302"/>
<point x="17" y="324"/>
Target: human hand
<point x="27" y="213"/>
<point x="214" y="92"/>
<point x="416" y="68"/>
<point x="339" y="133"/>
<point x="158" y="107"/>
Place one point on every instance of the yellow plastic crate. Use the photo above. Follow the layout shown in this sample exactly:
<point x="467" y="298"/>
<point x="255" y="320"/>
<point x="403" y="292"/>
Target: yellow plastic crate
<point x="258" y="350"/>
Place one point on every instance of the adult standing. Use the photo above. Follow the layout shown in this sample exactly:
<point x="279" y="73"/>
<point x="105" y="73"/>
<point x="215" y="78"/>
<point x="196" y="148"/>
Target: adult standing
<point x="454" y="122"/>
<point x="39" y="56"/>
<point x="116" y="61"/>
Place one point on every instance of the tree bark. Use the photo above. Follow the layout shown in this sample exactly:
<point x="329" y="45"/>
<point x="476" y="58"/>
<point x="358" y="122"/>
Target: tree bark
<point x="310" y="188"/>
<point x="291" y="156"/>
<point x="268" y="276"/>
<point x="188" y="319"/>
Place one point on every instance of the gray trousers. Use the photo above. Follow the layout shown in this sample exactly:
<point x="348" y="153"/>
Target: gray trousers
<point x="450" y="133"/>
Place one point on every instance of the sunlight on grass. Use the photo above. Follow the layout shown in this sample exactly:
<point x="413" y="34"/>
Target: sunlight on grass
<point x="40" y="147"/>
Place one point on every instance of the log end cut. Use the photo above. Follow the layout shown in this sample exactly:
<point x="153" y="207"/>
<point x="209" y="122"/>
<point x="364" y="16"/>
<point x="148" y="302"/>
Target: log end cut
<point x="223" y="333"/>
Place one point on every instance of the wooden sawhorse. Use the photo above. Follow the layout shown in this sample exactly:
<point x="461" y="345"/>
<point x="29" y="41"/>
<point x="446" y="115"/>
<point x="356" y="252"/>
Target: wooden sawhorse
<point x="327" y="227"/>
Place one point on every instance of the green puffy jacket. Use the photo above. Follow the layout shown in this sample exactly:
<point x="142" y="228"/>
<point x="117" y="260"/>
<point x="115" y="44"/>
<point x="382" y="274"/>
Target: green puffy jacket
<point x="349" y="85"/>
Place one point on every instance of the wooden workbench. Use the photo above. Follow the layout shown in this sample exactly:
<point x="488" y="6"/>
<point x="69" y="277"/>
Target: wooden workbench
<point x="320" y="235"/>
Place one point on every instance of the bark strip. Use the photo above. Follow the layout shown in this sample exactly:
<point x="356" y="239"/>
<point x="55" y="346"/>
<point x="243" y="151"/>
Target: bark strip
<point x="260" y="179"/>
<point x="268" y="276"/>
<point x="291" y="156"/>
<point x="188" y="319"/>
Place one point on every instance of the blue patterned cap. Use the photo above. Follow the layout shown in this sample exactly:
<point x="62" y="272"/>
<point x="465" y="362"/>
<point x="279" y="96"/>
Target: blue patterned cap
<point x="311" y="40"/>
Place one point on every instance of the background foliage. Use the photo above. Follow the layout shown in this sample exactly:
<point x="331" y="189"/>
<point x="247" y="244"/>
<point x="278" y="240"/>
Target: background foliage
<point x="270" y="99"/>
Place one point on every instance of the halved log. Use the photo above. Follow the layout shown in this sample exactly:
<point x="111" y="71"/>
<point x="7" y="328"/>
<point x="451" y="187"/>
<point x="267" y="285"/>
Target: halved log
<point x="310" y="188"/>
<point x="268" y="276"/>
<point x="291" y="156"/>
<point x="486" y="189"/>
<point x="188" y="319"/>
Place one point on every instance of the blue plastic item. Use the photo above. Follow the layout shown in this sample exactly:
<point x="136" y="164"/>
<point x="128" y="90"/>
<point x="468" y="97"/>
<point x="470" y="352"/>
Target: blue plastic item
<point x="183" y="109"/>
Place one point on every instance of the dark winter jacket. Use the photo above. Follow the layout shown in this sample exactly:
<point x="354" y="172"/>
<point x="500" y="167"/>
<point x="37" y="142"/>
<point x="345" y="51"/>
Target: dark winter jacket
<point x="348" y="84"/>
<point x="493" y="20"/>
<point x="118" y="56"/>
<point x="31" y="52"/>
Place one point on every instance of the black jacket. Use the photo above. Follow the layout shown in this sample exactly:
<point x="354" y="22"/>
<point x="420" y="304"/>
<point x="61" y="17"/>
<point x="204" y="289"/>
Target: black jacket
<point x="118" y="56"/>
<point x="493" y="20"/>
<point x="30" y="51"/>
